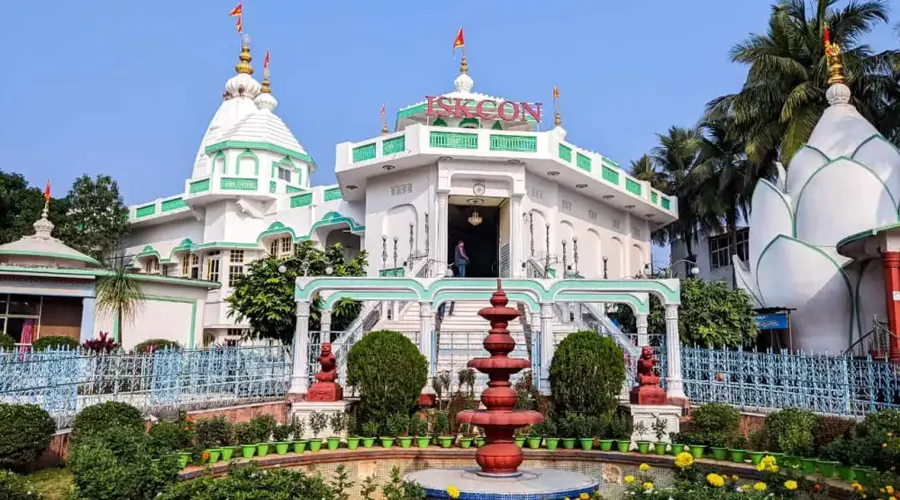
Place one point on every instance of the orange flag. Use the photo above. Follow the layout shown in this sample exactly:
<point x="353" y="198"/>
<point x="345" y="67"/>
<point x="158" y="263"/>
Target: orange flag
<point x="47" y="192"/>
<point x="266" y="60"/>
<point x="239" y="13"/>
<point x="459" y="41"/>
<point x="555" y="93"/>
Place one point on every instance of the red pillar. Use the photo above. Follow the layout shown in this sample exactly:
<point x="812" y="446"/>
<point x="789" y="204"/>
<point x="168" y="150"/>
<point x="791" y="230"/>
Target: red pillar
<point x="890" y="261"/>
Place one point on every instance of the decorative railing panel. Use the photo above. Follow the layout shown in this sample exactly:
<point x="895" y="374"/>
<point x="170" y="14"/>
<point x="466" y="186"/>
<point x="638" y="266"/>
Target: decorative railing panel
<point x="456" y="140"/>
<point x="393" y="145"/>
<point x="63" y="382"/>
<point x="363" y="153"/>
<point x="517" y="143"/>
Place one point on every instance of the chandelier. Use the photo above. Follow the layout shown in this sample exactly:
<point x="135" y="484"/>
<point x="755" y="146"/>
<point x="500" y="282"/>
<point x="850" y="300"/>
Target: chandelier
<point x="475" y="219"/>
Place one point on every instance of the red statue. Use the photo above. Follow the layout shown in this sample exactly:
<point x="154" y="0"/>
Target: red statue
<point x="326" y="387"/>
<point x="648" y="391"/>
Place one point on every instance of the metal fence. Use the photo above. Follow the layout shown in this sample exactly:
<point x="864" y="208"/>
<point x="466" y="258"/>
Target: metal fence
<point x="64" y="381"/>
<point x="823" y="383"/>
<point x="340" y="347"/>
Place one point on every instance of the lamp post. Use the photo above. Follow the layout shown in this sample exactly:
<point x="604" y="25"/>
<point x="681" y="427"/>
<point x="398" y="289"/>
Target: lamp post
<point x="694" y="270"/>
<point x="605" y="267"/>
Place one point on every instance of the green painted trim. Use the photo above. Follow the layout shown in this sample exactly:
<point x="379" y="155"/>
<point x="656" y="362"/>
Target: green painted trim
<point x="266" y="146"/>
<point x="484" y="296"/>
<point x="173" y="204"/>
<point x="666" y="203"/>
<point x="148" y="250"/>
<point x="583" y="162"/>
<point x="824" y="254"/>
<point x="363" y="153"/>
<point x="238" y="184"/>
<point x="393" y="145"/>
<point x="218" y="245"/>
<point x="301" y="200"/>
<point x="192" y="302"/>
<point x="610" y="175"/>
<point x="145" y="211"/>
<point x="610" y="163"/>
<point x="453" y="140"/>
<point x="439" y="123"/>
<point x="787" y="204"/>
<point x="247" y="154"/>
<point x="787" y="174"/>
<point x="276" y="228"/>
<point x="338" y="295"/>
<point x="53" y="255"/>
<point x="273" y="186"/>
<point x="99" y="273"/>
<point x="397" y="272"/>
<point x="632" y="186"/>
<point x="469" y="123"/>
<point x="667" y="290"/>
<point x="654" y="197"/>
<point x="293" y="189"/>
<point x="865" y="234"/>
<point x="199" y="186"/>
<point x="637" y="305"/>
<point x="497" y="125"/>
<point x="333" y="194"/>
<point x="833" y="162"/>
<point x="355" y="228"/>
<point x="565" y="153"/>
<point x="873" y="137"/>
<point x="224" y="162"/>
<point x="514" y="143"/>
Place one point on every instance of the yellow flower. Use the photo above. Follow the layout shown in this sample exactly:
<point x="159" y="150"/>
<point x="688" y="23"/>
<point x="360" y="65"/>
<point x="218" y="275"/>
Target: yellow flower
<point x="790" y="484"/>
<point x="889" y="489"/>
<point x="644" y="467"/>
<point x="745" y="488"/>
<point x="715" y="480"/>
<point x="453" y="491"/>
<point x="734" y="477"/>
<point x="759" y="486"/>
<point x="629" y="479"/>
<point x="584" y="496"/>
<point x="648" y="485"/>
<point x="884" y="445"/>
<point x="856" y="486"/>
<point x="769" y="460"/>
<point x="683" y="460"/>
<point x="773" y="468"/>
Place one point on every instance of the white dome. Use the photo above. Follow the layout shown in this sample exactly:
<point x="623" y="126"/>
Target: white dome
<point x="267" y="101"/>
<point x="464" y="83"/>
<point x="263" y="126"/>
<point x="242" y="85"/>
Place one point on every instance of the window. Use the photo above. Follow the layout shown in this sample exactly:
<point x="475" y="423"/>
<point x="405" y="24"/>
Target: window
<point x="195" y="266"/>
<point x="743" y="243"/>
<point x="537" y="194"/>
<point x="186" y="265"/>
<point x="284" y="174"/>
<point x="212" y="266"/>
<point x="720" y="253"/>
<point x="592" y="215"/>
<point x="20" y="317"/>
<point x="617" y="224"/>
<point x="401" y="189"/>
<point x="287" y="246"/>
<point x="636" y="232"/>
<point x="151" y="266"/>
<point x="273" y="248"/>
<point x="165" y="270"/>
<point x="566" y="206"/>
<point x="236" y="268"/>
<point x="281" y="247"/>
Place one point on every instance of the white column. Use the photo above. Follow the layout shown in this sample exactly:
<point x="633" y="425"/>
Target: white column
<point x="440" y="253"/>
<point x="536" y="320"/>
<point x="547" y="344"/>
<point x="516" y="240"/>
<point x="87" y="320"/>
<point x="641" y="322"/>
<point x="301" y="347"/>
<point x="426" y="339"/>
<point x="674" y="383"/>
<point x="325" y="322"/>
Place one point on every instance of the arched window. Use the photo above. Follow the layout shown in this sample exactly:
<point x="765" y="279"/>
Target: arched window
<point x="439" y="123"/>
<point x="469" y="123"/>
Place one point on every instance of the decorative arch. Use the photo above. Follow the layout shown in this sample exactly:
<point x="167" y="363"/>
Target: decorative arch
<point x="616" y="259"/>
<point x="469" y="123"/>
<point x="537" y="231"/>
<point x="221" y="156"/>
<point x="636" y="259"/>
<point x="590" y="252"/>
<point x="276" y="229"/>
<point x="247" y="154"/>
<point x="497" y="125"/>
<point x="286" y="162"/>
<point x="439" y="123"/>
<point x="396" y="224"/>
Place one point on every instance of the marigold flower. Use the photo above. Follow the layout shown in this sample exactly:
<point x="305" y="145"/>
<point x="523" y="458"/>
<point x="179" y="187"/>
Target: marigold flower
<point x="734" y="477"/>
<point x="790" y="484"/>
<point x="453" y="491"/>
<point x="648" y="486"/>
<point x="205" y="456"/>
<point x="889" y="489"/>
<point x="584" y="496"/>
<point x="629" y="479"/>
<point x="684" y="460"/>
<point x="715" y="480"/>
<point x="745" y="488"/>
<point x="644" y="467"/>
<point x="759" y="486"/>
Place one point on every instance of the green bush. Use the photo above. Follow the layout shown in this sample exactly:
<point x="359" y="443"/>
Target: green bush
<point x="261" y="428"/>
<point x="389" y="372"/>
<point x="106" y="415"/>
<point x="883" y="422"/>
<point x="26" y="433"/>
<point x="169" y="437"/>
<point x="156" y="344"/>
<point x="54" y="342"/>
<point x="829" y="429"/>
<point x="14" y="487"/>
<point x="716" y="417"/>
<point x="6" y="342"/>
<point x="213" y="432"/>
<point x="791" y="431"/>
<point x="586" y="374"/>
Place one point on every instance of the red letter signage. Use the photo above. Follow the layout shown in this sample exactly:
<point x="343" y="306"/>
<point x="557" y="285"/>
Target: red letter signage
<point x="487" y="109"/>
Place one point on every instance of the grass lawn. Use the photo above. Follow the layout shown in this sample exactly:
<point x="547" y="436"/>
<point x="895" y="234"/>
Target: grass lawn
<point x="53" y="484"/>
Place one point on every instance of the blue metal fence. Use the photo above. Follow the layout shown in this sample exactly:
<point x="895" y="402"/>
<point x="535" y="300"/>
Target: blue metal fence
<point x="822" y="383"/>
<point x="64" y="381"/>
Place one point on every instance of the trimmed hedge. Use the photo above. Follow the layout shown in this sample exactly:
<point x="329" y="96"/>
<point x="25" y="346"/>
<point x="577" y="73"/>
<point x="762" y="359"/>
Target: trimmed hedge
<point x="156" y="344"/>
<point x="101" y="417"/>
<point x="6" y="342"/>
<point x="586" y="374"/>
<point x="54" y="342"/>
<point x="26" y="433"/>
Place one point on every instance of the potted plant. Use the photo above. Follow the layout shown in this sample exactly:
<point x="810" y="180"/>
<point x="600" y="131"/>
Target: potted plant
<point x="317" y="423"/>
<point x="618" y="430"/>
<point x="535" y="435"/>
<point x="184" y="458"/>
<point x="584" y="432"/>
<point x="400" y="429"/>
<point x="659" y="429"/>
<point x="602" y="429"/>
<point x="737" y="448"/>
<point x="370" y="433"/>
<point x="299" y="425"/>
<point x="387" y="432"/>
<point x="442" y="427"/>
<point x="244" y="436"/>
<point x="677" y="444"/>
<point x="716" y="444"/>
<point x="338" y="422"/>
<point x="418" y="427"/>
<point x="467" y="436"/>
<point x="520" y="436"/>
<point x="352" y="433"/>
<point x="479" y="439"/>
<point x="282" y="434"/>
<point x="639" y="429"/>
<point x="262" y="426"/>
<point x="567" y="431"/>
<point x="551" y="441"/>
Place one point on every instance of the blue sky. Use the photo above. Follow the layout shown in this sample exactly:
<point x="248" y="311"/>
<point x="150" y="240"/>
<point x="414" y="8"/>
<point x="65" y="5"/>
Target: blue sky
<point x="128" y="88"/>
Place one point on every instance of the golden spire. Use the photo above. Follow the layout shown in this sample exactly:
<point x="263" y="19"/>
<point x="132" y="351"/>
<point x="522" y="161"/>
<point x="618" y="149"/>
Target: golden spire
<point x="245" y="57"/>
<point x="557" y="118"/>
<point x="464" y="63"/>
<point x="835" y="62"/>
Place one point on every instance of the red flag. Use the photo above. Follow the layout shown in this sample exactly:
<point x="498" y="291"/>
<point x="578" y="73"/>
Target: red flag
<point x="555" y="93"/>
<point x="827" y="35"/>
<point x="47" y="192"/>
<point x="383" y="115"/>
<point x="239" y="13"/>
<point x="459" y="41"/>
<point x="266" y="60"/>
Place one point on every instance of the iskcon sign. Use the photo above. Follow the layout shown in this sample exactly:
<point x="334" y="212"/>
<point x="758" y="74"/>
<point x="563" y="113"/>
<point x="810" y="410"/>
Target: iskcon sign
<point x="487" y="109"/>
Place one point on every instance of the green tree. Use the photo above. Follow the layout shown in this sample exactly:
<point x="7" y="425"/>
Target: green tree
<point x="645" y="169"/>
<point x="97" y="218"/>
<point x="710" y="315"/>
<point x="21" y="206"/>
<point x="783" y="96"/>
<point x="265" y="296"/>
<point x="119" y="294"/>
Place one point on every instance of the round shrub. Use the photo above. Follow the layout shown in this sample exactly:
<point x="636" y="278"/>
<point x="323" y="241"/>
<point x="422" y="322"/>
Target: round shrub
<point x="791" y="431"/>
<point x="151" y="345"/>
<point x="716" y="418"/>
<point x="99" y="418"/>
<point x="389" y="372"/>
<point x="54" y="342"/>
<point x="6" y="342"/>
<point x="27" y="430"/>
<point x="586" y="374"/>
<point x="14" y="487"/>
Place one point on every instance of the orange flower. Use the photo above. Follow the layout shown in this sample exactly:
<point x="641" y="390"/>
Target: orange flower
<point x="205" y="456"/>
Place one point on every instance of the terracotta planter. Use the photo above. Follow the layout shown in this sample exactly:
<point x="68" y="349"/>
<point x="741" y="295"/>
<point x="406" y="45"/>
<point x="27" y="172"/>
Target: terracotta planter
<point x="534" y="442"/>
<point x="300" y="446"/>
<point x="551" y="443"/>
<point x="676" y="449"/>
<point x="405" y="441"/>
<point x="520" y="442"/>
<point x="315" y="445"/>
<point x="228" y="452"/>
<point x="623" y="445"/>
<point x="737" y="456"/>
<point x="282" y="448"/>
<point x="466" y="442"/>
<point x="586" y="443"/>
<point x="568" y="443"/>
<point x="368" y="442"/>
<point x="423" y="441"/>
<point x="262" y="449"/>
<point x="184" y="458"/>
<point x="643" y="447"/>
<point x="334" y="443"/>
<point x="386" y="442"/>
<point x="353" y="442"/>
<point x="697" y="450"/>
<point x="248" y="450"/>
<point x="446" y="441"/>
<point x="719" y="453"/>
<point x="660" y="448"/>
<point x="756" y="457"/>
<point x="827" y="467"/>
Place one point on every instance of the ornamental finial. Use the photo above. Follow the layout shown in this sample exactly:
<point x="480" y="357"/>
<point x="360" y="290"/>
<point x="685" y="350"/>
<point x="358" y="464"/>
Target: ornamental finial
<point x="835" y="61"/>
<point x="245" y="57"/>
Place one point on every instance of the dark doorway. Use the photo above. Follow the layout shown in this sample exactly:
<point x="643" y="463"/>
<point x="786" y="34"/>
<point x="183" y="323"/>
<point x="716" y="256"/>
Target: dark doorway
<point x="481" y="242"/>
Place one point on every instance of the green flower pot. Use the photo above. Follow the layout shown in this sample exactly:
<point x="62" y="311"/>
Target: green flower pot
<point x="300" y="446"/>
<point x="827" y="467"/>
<point x="214" y="455"/>
<point x="386" y="442"/>
<point x="697" y="450"/>
<point x="334" y="443"/>
<point x="282" y="448"/>
<point x="791" y="461"/>
<point x="368" y="442"/>
<point x="606" y="444"/>
<point x="551" y="443"/>
<point x="248" y="450"/>
<point x="808" y="465"/>
<point x="643" y="447"/>
<point x="262" y="449"/>
<point x="568" y="443"/>
<point x="676" y="449"/>
<point x="228" y="452"/>
<point x="533" y="442"/>
<point x="719" y="453"/>
<point x="778" y="456"/>
<point x="520" y="442"/>
<point x="756" y="457"/>
<point x="353" y="442"/>
<point x="586" y="443"/>
<point x="660" y="448"/>
<point x="184" y="458"/>
<point x="861" y="474"/>
<point x="405" y="441"/>
<point x="466" y="442"/>
<point x="737" y="456"/>
<point x="479" y="441"/>
<point x="423" y="441"/>
<point x="446" y="441"/>
<point x="624" y="446"/>
<point x="845" y="472"/>
<point x="315" y="445"/>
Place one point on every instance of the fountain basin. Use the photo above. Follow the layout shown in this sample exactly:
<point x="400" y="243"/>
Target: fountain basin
<point x="528" y="484"/>
<point x="511" y="419"/>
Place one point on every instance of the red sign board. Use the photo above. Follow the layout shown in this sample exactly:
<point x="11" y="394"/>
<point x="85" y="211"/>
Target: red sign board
<point x="488" y="109"/>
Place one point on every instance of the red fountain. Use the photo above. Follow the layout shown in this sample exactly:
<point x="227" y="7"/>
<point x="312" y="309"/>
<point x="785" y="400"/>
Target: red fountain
<point x="499" y="456"/>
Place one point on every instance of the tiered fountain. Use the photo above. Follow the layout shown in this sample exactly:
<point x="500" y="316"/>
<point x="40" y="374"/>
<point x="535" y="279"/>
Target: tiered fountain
<point x="499" y="477"/>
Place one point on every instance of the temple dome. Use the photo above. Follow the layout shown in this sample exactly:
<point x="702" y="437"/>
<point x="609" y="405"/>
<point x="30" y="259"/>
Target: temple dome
<point x="43" y="250"/>
<point x="262" y="125"/>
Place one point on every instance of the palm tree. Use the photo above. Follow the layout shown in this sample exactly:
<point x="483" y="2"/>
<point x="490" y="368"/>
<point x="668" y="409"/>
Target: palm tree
<point x="784" y="93"/>
<point x="119" y="293"/>
<point x="644" y="169"/>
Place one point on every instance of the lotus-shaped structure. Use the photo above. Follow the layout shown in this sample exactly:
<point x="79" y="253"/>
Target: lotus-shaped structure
<point x="845" y="181"/>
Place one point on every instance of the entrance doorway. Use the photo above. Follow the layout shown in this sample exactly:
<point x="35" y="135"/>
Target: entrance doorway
<point x="480" y="241"/>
